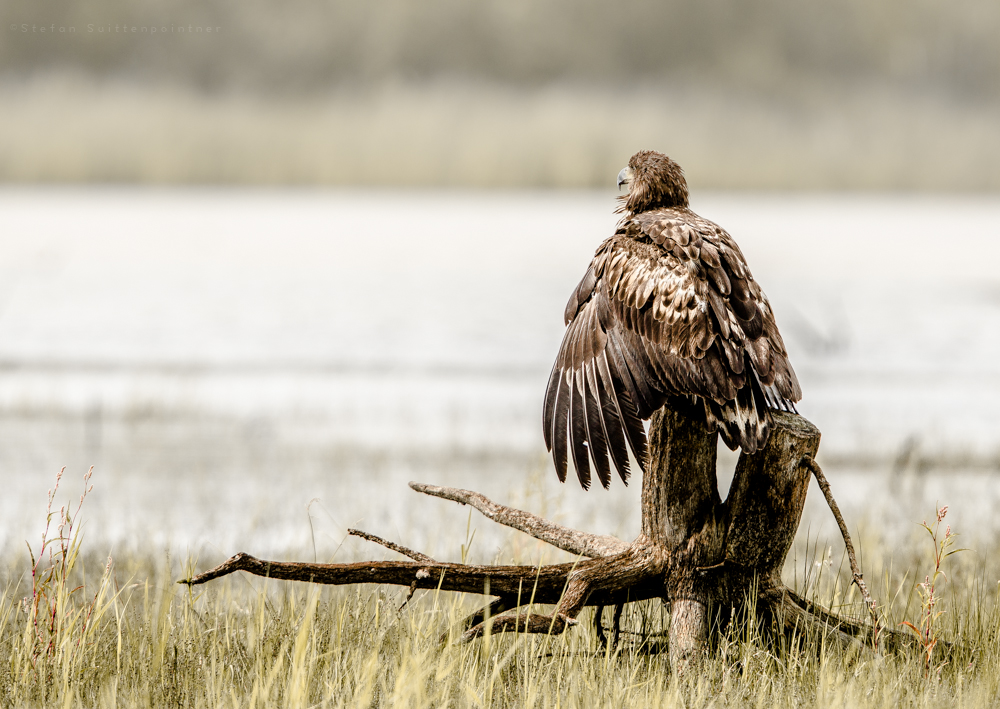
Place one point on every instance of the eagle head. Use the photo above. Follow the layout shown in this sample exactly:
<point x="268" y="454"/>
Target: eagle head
<point x="653" y="181"/>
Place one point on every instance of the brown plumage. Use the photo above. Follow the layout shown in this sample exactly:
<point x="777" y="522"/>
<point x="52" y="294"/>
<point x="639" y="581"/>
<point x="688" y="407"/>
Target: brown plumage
<point x="667" y="308"/>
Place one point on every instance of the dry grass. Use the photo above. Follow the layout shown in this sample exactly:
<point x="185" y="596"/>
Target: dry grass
<point x="125" y="635"/>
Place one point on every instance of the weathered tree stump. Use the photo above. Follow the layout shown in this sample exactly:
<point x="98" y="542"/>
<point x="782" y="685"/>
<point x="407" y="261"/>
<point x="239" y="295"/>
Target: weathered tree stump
<point x="704" y="556"/>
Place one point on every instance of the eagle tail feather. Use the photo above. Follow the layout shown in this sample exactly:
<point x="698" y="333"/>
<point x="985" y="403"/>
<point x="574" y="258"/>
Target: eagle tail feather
<point x="745" y="421"/>
<point x="779" y="402"/>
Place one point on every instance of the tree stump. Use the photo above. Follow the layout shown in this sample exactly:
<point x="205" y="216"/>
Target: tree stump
<point x="696" y="552"/>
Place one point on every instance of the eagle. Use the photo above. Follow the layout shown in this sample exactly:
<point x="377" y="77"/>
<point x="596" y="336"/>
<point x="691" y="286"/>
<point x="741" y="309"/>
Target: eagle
<point x="668" y="308"/>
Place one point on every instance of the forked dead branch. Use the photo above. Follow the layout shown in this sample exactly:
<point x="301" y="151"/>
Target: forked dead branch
<point x="705" y="557"/>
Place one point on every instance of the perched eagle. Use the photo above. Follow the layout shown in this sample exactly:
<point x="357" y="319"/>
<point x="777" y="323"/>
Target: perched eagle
<point x="667" y="308"/>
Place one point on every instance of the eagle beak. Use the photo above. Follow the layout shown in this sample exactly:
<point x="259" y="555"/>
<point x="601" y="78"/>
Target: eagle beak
<point x="624" y="177"/>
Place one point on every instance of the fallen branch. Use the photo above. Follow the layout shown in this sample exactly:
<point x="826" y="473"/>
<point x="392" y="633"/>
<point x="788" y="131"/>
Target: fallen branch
<point x="502" y="580"/>
<point x="545" y="584"/>
<point x="695" y="551"/>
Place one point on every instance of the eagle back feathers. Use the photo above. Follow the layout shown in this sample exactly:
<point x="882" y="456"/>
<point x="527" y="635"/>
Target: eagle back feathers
<point x="667" y="308"/>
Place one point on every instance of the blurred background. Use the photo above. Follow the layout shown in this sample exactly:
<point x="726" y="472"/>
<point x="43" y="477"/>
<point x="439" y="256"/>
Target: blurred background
<point x="844" y="94"/>
<point x="263" y="263"/>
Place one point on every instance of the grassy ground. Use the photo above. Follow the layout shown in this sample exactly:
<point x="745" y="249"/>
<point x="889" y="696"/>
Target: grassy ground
<point x="85" y="632"/>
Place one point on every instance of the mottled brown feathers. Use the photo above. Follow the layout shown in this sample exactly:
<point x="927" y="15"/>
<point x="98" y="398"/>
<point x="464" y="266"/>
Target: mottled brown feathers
<point x="667" y="308"/>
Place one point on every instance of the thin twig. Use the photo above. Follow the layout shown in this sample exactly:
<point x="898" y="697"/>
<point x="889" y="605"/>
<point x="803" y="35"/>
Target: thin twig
<point x="398" y="548"/>
<point x="824" y="485"/>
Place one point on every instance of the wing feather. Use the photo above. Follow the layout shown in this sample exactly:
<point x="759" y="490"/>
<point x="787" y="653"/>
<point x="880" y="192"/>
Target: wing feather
<point x="548" y="410"/>
<point x="645" y="398"/>
<point x="596" y="432"/>
<point x="580" y="295"/>
<point x="559" y="428"/>
<point x="611" y="408"/>
<point x="624" y="387"/>
<point x="578" y="431"/>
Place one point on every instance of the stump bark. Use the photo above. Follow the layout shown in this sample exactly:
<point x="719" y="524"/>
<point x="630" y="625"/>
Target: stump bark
<point x="705" y="557"/>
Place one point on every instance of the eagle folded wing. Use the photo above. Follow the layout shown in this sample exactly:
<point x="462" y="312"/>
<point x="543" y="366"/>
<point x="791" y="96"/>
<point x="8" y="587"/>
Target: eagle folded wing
<point x="667" y="307"/>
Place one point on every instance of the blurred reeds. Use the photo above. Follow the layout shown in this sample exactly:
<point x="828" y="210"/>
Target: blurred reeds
<point x="780" y="46"/>
<point x="842" y="95"/>
<point x="62" y="129"/>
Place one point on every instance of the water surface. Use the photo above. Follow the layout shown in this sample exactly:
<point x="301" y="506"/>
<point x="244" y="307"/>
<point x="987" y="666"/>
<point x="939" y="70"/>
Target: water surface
<point x="223" y="357"/>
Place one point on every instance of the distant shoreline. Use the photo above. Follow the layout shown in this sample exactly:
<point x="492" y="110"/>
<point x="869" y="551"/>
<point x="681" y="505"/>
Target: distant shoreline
<point x="59" y="128"/>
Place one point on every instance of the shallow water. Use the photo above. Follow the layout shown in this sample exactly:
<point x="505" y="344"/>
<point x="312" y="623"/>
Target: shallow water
<point x="224" y="357"/>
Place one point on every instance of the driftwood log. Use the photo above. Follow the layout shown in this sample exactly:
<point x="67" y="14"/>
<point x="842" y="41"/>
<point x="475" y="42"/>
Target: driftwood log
<point x="705" y="557"/>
